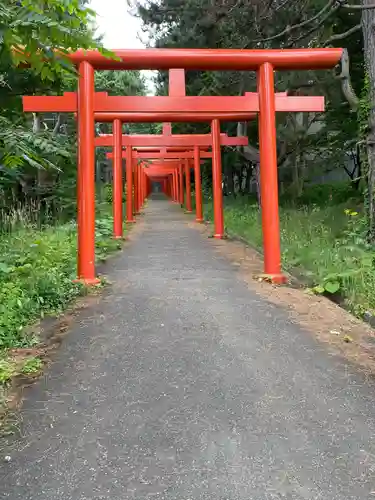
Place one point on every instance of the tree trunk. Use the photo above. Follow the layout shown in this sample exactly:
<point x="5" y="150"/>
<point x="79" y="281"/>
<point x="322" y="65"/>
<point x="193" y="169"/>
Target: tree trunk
<point x="230" y="181"/>
<point x="249" y="175"/>
<point x="368" y="26"/>
<point x="257" y="178"/>
<point x="37" y="126"/>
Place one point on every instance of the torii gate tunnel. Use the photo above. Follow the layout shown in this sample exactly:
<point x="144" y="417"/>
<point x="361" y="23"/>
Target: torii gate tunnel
<point x="90" y="106"/>
<point x="168" y="142"/>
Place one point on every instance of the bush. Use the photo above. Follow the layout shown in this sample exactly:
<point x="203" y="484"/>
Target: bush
<point x="324" y="195"/>
<point x="328" y="245"/>
<point x="37" y="269"/>
<point x="108" y="193"/>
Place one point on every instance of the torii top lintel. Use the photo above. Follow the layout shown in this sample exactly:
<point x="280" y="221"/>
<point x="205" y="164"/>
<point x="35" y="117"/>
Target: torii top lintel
<point x="248" y="103"/>
<point x="171" y="140"/>
<point x="211" y="59"/>
<point x="159" y="154"/>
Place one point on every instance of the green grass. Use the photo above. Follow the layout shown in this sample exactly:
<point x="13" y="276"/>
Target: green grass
<point x="32" y="365"/>
<point x="37" y="268"/>
<point x="11" y="366"/>
<point x="325" y="244"/>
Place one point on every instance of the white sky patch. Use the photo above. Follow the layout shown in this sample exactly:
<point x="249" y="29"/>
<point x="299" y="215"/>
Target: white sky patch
<point x="120" y="29"/>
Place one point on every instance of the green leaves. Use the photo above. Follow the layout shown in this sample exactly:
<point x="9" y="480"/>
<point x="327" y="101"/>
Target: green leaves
<point x="37" y="271"/>
<point x="36" y="31"/>
<point x="329" y="287"/>
<point x="38" y="37"/>
<point x="32" y="365"/>
<point x="4" y="268"/>
<point x="19" y="147"/>
<point x="332" y="286"/>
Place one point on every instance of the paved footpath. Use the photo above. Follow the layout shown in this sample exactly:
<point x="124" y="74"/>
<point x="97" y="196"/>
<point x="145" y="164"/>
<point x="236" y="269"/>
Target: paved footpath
<point x="183" y="384"/>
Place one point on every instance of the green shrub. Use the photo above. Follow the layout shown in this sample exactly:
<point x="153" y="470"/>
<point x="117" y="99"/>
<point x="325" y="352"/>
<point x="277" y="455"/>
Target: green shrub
<point x="324" y="195"/>
<point x="32" y="365"/>
<point x="328" y="245"/>
<point x="37" y="269"/>
<point x="108" y="193"/>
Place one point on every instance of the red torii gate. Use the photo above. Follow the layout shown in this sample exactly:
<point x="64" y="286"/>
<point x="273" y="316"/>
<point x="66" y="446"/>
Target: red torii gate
<point x="103" y="101"/>
<point x="195" y="155"/>
<point x="167" y="141"/>
<point x="177" y="88"/>
<point x="265" y="62"/>
<point x="167" y="172"/>
<point x="68" y="103"/>
<point x="169" y="176"/>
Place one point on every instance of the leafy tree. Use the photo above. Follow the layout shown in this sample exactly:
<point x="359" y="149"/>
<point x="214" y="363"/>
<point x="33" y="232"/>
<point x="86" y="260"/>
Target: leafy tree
<point x="38" y="157"/>
<point x="30" y="31"/>
<point x="304" y="149"/>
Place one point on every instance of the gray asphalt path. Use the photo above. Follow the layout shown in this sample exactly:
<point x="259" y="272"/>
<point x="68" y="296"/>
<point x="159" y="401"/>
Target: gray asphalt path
<point x="183" y="385"/>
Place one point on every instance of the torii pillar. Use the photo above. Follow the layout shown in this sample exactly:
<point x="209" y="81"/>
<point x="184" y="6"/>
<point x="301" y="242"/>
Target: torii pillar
<point x="86" y="176"/>
<point x="117" y="179"/>
<point x="217" y="181"/>
<point x="188" y="186"/>
<point x="129" y="185"/>
<point x="198" y="185"/>
<point x="181" y="181"/>
<point x="268" y="173"/>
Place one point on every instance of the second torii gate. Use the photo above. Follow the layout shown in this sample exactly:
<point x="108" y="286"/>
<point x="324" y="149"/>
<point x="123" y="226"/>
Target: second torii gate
<point x="165" y="141"/>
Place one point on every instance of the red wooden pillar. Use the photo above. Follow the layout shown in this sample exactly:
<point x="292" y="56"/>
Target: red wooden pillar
<point x="139" y="172"/>
<point x="135" y="187"/>
<point x="175" y="183"/>
<point x="188" y="186"/>
<point x="86" y="176"/>
<point x="139" y="188"/>
<point x="181" y="181"/>
<point x="142" y="185"/>
<point x="268" y="174"/>
<point x="217" y="181"/>
<point x="117" y="179"/>
<point x="175" y="173"/>
<point x="198" y="185"/>
<point x="129" y="185"/>
<point x="170" y="186"/>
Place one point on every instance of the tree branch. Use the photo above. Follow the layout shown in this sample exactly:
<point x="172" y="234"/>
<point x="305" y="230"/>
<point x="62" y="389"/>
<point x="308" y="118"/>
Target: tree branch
<point x="314" y="28"/>
<point x="358" y="7"/>
<point x="341" y="36"/>
<point x="346" y="85"/>
<point x="57" y="125"/>
<point x="288" y="29"/>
